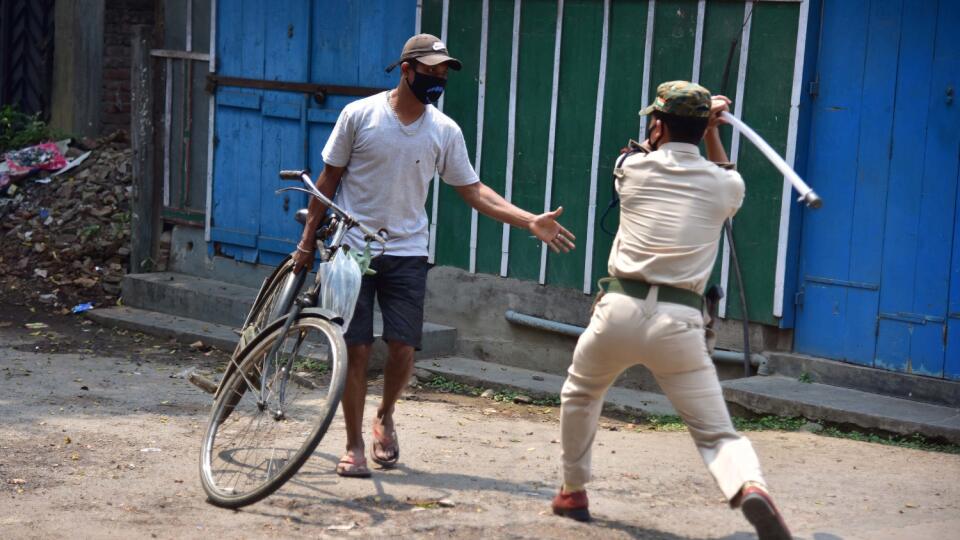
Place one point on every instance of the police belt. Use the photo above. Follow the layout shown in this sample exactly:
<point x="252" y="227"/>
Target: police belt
<point x="639" y="289"/>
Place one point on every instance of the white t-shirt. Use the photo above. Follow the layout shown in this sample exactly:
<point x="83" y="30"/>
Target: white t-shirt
<point x="389" y="168"/>
<point x="673" y="203"/>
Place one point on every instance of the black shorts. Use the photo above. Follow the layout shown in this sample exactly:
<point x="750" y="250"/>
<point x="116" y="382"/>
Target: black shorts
<point x="400" y="286"/>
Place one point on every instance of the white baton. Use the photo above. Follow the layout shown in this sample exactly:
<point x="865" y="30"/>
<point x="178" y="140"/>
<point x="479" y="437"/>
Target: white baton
<point x="807" y="194"/>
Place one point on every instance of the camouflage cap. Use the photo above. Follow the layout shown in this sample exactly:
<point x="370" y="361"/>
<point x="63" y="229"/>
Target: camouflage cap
<point x="681" y="98"/>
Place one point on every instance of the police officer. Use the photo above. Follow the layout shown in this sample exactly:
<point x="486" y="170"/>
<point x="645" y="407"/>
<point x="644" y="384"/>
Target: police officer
<point x="673" y="205"/>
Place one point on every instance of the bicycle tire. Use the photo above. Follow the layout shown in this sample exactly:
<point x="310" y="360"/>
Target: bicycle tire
<point x="234" y="402"/>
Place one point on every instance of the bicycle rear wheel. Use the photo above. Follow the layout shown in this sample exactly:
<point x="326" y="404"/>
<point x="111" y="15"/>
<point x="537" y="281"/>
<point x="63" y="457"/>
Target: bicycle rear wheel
<point x="259" y="435"/>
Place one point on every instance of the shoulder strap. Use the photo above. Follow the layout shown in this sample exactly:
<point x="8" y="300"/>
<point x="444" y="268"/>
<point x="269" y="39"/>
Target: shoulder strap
<point x="633" y="147"/>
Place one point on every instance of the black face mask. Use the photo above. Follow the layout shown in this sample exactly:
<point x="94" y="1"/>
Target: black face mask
<point x="426" y="88"/>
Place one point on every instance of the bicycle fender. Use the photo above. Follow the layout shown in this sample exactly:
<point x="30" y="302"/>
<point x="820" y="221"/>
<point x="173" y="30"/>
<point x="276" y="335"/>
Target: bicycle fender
<point x="324" y="314"/>
<point x="232" y="364"/>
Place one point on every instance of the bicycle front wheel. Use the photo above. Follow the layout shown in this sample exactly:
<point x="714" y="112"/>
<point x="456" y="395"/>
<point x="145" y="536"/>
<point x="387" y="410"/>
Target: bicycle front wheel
<point x="273" y="410"/>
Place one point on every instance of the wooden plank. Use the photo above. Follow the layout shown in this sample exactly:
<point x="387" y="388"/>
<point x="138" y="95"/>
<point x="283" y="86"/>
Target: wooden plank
<point x="551" y="136"/>
<point x="870" y="182"/>
<point x="722" y="25"/>
<point x="382" y="30"/>
<point x="948" y="68"/>
<point x="766" y="105"/>
<point x="236" y="198"/>
<point x="481" y="104"/>
<point x="622" y="98"/>
<point x="902" y="235"/>
<point x="938" y="197"/>
<point x="595" y="151"/>
<point x="182" y="55"/>
<point x="674" y="39"/>
<point x="460" y="103"/>
<point x="144" y="203"/>
<point x="537" y="33"/>
<point x="286" y="45"/>
<point x="431" y="19"/>
<point x="494" y="153"/>
<point x="580" y="53"/>
<point x="832" y="166"/>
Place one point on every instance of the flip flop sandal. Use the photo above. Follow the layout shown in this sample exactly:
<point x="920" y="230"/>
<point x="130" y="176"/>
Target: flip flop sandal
<point x="352" y="466"/>
<point x="385" y="445"/>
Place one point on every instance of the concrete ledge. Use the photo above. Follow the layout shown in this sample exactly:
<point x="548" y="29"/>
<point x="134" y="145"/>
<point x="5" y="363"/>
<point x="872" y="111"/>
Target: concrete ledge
<point x="189" y="296"/>
<point x="537" y="384"/>
<point x="789" y="397"/>
<point x="868" y="379"/>
<point x="438" y="340"/>
<point x="165" y="325"/>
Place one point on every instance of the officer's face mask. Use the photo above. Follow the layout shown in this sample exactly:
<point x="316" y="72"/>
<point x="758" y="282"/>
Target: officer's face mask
<point x="426" y="88"/>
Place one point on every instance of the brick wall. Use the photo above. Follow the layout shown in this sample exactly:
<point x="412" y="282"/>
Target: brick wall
<point x="119" y="18"/>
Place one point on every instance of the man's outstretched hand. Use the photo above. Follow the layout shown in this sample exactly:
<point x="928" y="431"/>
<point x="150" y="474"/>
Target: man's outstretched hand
<point x="546" y="228"/>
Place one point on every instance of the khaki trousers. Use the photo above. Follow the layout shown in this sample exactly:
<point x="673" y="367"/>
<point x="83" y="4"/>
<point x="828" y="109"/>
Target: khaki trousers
<point x="668" y="339"/>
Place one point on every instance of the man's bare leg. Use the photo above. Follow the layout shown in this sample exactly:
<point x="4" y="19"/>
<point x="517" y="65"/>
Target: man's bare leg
<point x="354" y="397"/>
<point x="395" y="379"/>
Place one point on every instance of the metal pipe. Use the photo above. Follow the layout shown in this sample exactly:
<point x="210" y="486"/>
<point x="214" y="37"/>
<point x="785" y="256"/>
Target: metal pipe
<point x="806" y="192"/>
<point x="544" y="324"/>
<point x="719" y="355"/>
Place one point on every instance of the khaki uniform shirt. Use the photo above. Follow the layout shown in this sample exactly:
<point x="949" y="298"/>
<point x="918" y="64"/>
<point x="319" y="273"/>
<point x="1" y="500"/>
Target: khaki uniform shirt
<point x="673" y="203"/>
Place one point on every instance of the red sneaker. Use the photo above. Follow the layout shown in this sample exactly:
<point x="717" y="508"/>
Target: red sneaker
<point x="758" y="508"/>
<point x="572" y="505"/>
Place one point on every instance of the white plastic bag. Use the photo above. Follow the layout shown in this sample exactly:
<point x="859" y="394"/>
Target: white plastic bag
<point x="340" y="285"/>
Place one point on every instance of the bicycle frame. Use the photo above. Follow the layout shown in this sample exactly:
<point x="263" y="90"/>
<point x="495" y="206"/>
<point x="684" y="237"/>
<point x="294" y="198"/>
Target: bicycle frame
<point x="342" y="222"/>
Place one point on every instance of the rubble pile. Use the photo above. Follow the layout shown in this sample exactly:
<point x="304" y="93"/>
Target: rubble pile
<point x="65" y="239"/>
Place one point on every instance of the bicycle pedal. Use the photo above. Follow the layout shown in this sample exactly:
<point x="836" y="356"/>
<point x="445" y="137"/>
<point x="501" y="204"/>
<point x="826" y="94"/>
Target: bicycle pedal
<point x="207" y="385"/>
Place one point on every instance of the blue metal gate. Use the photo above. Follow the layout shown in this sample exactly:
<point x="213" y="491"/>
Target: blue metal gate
<point x="880" y="262"/>
<point x="260" y="131"/>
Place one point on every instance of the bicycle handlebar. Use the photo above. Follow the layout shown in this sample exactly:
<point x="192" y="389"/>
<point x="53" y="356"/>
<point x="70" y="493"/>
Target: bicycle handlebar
<point x="311" y="189"/>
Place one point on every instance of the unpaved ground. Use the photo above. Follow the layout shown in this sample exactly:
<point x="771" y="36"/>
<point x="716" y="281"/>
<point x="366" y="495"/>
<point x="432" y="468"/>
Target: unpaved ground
<point x="80" y="407"/>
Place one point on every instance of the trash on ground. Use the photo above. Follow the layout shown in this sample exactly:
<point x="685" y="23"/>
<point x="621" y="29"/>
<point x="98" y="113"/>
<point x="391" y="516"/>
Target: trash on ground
<point x="80" y="308"/>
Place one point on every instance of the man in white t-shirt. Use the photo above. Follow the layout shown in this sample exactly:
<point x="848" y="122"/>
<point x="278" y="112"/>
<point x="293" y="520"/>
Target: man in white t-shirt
<point x="383" y="154"/>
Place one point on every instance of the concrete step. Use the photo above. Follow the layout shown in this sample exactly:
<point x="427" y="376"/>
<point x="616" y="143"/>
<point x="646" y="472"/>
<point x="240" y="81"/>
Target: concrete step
<point x="869" y="379"/>
<point x="786" y="396"/>
<point x="207" y="301"/>
<point x="164" y="325"/>
<point x="189" y="296"/>
<point x="537" y="384"/>
<point x="438" y="340"/>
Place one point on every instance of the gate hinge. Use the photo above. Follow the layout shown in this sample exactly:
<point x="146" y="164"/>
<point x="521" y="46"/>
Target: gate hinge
<point x="798" y="297"/>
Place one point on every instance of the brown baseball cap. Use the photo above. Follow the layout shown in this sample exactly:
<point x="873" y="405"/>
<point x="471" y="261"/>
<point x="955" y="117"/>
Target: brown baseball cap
<point x="426" y="49"/>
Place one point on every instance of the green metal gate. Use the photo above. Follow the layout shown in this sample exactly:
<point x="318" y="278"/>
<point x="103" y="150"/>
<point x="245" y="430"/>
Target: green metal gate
<point x="549" y="93"/>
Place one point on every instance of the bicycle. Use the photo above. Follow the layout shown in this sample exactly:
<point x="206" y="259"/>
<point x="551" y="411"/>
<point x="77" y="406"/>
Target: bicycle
<point x="284" y="382"/>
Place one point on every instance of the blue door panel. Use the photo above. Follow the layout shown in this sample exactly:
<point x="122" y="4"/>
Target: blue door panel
<point x="829" y="303"/>
<point x="832" y="167"/>
<point x="884" y="153"/>
<point x="906" y="223"/>
<point x="951" y="369"/>
<point x="876" y="128"/>
<point x="260" y="132"/>
<point x="235" y="205"/>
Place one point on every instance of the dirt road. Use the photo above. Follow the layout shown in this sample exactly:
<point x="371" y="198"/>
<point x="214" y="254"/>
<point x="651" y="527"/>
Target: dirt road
<point x="98" y="441"/>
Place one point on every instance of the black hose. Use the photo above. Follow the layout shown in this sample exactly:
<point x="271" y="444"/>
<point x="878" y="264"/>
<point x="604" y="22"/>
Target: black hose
<point x="728" y="224"/>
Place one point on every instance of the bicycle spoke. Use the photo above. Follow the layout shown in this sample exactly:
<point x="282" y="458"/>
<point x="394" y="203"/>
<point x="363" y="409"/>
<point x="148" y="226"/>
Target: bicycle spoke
<point x="257" y="440"/>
